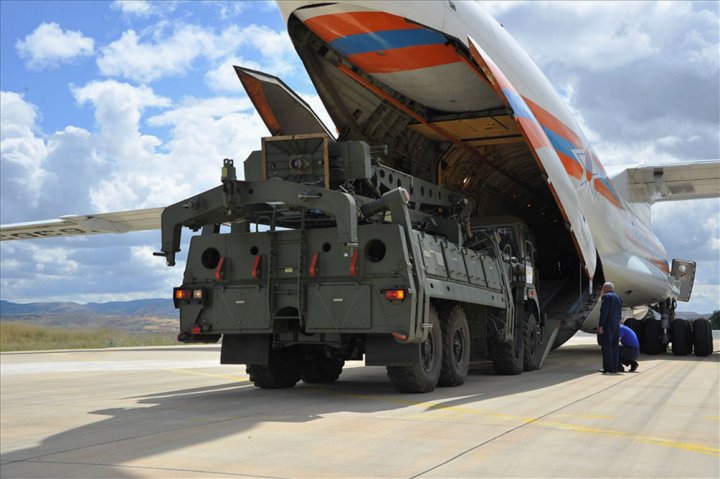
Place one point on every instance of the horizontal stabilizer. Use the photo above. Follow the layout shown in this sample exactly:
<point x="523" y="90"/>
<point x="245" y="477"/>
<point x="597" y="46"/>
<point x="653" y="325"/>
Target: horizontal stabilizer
<point x="118" y="222"/>
<point x="679" y="181"/>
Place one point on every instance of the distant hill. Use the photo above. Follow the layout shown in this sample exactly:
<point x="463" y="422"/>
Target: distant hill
<point x="138" y="315"/>
<point x="141" y="307"/>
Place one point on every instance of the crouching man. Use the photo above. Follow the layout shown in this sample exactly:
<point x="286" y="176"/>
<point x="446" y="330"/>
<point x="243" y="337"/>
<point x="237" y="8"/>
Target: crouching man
<point x="629" y="348"/>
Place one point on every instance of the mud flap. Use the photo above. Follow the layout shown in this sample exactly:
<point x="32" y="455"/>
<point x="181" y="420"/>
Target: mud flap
<point x="245" y="349"/>
<point x="383" y="350"/>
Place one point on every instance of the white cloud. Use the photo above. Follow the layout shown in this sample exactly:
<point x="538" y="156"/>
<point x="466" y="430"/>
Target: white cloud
<point x="22" y="153"/>
<point x="130" y="58"/>
<point x="140" y="8"/>
<point x="157" y="54"/>
<point x="48" y="46"/>
<point x="53" y="261"/>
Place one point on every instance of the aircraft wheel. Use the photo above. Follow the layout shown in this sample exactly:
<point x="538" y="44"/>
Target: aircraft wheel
<point x="652" y="336"/>
<point x="423" y="376"/>
<point x="681" y="335"/>
<point x="283" y="371"/>
<point x="456" y="348"/>
<point x="703" y="340"/>
<point x="532" y="338"/>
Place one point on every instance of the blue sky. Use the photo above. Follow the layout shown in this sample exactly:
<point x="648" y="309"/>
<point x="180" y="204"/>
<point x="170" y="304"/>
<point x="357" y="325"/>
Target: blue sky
<point x="109" y="106"/>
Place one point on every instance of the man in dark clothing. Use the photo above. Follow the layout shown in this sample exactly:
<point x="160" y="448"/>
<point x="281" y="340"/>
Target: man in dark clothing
<point x="629" y="348"/>
<point x="609" y="328"/>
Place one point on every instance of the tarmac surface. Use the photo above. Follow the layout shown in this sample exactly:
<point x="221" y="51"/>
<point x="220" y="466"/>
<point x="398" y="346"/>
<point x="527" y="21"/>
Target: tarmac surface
<point x="176" y="413"/>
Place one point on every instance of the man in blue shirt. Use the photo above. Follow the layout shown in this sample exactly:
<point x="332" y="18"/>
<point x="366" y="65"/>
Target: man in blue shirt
<point x="609" y="328"/>
<point x="629" y="348"/>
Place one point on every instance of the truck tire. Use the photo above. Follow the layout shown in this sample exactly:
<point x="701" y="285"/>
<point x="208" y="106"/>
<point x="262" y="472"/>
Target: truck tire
<point x="651" y="336"/>
<point x="318" y="368"/>
<point x="456" y="348"/>
<point x="508" y="358"/>
<point x="703" y="340"/>
<point x="283" y="370"/>
<point x="532" y="338"/>
<point x="423" y="376"/>
<point x="681" y="337"/>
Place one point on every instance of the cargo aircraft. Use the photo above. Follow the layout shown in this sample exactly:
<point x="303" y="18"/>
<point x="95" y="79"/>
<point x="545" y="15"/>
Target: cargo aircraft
<point x="456" y="101"/>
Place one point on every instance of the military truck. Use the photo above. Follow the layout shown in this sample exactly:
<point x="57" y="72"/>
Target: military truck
<point x="322" y="254"/>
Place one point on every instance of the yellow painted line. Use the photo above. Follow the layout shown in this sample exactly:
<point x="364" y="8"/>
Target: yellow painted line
<point x="434" y="406"/>
<point x="687" y="446"/>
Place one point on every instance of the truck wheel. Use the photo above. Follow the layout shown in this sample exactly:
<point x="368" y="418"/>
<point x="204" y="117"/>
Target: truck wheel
<point x="703" y="337"/>
<point x="532" y="338"/>
<point x="681" y="337"/>
<point x="456" y="348"/>
<point x="423" y="376"/>
<point x="509" y="358"/>
<point x="283" y="371"/>
<point x="318" y="368"/>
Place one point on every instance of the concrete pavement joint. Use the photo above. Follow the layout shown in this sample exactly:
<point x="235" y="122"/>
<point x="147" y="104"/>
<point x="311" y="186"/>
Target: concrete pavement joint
<point x="570" y="427"/>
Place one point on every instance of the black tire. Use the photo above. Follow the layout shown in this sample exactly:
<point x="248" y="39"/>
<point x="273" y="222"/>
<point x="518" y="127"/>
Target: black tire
<point x="652" y="336"/>
<point x="318" y="368"/>
<point x="423" y="376"/>
<point x="681" y="337"/>
<point x="283" y="371"/>
<point x="703" y="339"/>
<point x="532" y="339"/>
<point x="508" y="358"/>
<point x="456" y="348"/>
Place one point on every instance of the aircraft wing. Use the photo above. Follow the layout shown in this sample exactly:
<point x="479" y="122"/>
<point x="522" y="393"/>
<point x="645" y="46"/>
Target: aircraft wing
<point x="679" y="181"/>
<point x="118" y="222"/>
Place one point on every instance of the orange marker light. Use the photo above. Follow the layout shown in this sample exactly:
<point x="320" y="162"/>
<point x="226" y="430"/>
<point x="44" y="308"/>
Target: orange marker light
<point x="183" y="294"/>
<point x="395" y="294"/>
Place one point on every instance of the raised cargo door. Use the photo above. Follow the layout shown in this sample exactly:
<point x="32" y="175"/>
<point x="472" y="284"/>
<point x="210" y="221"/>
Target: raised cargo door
<point x="282" y="110"/>
<point x="546" y="157"/>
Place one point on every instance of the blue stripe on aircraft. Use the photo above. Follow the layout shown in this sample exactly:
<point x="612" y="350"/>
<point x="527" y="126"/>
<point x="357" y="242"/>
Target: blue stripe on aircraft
<point x="561" y="144"/>
<point x="386" y="40"/>
<point x="518" y="105"/>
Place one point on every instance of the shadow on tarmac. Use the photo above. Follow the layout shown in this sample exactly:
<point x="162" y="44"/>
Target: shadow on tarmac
<point x="170" y="420"/>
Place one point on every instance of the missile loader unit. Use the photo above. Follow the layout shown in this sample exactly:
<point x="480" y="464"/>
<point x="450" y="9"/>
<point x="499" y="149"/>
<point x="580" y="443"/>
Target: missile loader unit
<point x="332" y="256"/>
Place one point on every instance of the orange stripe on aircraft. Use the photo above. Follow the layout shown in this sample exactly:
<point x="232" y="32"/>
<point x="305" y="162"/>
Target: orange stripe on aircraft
<point x="332" y="26"/>
<point x="404" y="59"/>
<point x="572" y="167"/>
<point x="601" y="188"/>
<point x="551" y="122"/>
<point x="534" y="132"/>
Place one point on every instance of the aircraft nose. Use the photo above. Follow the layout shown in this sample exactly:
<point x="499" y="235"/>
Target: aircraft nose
<point x="286" y="7"/>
